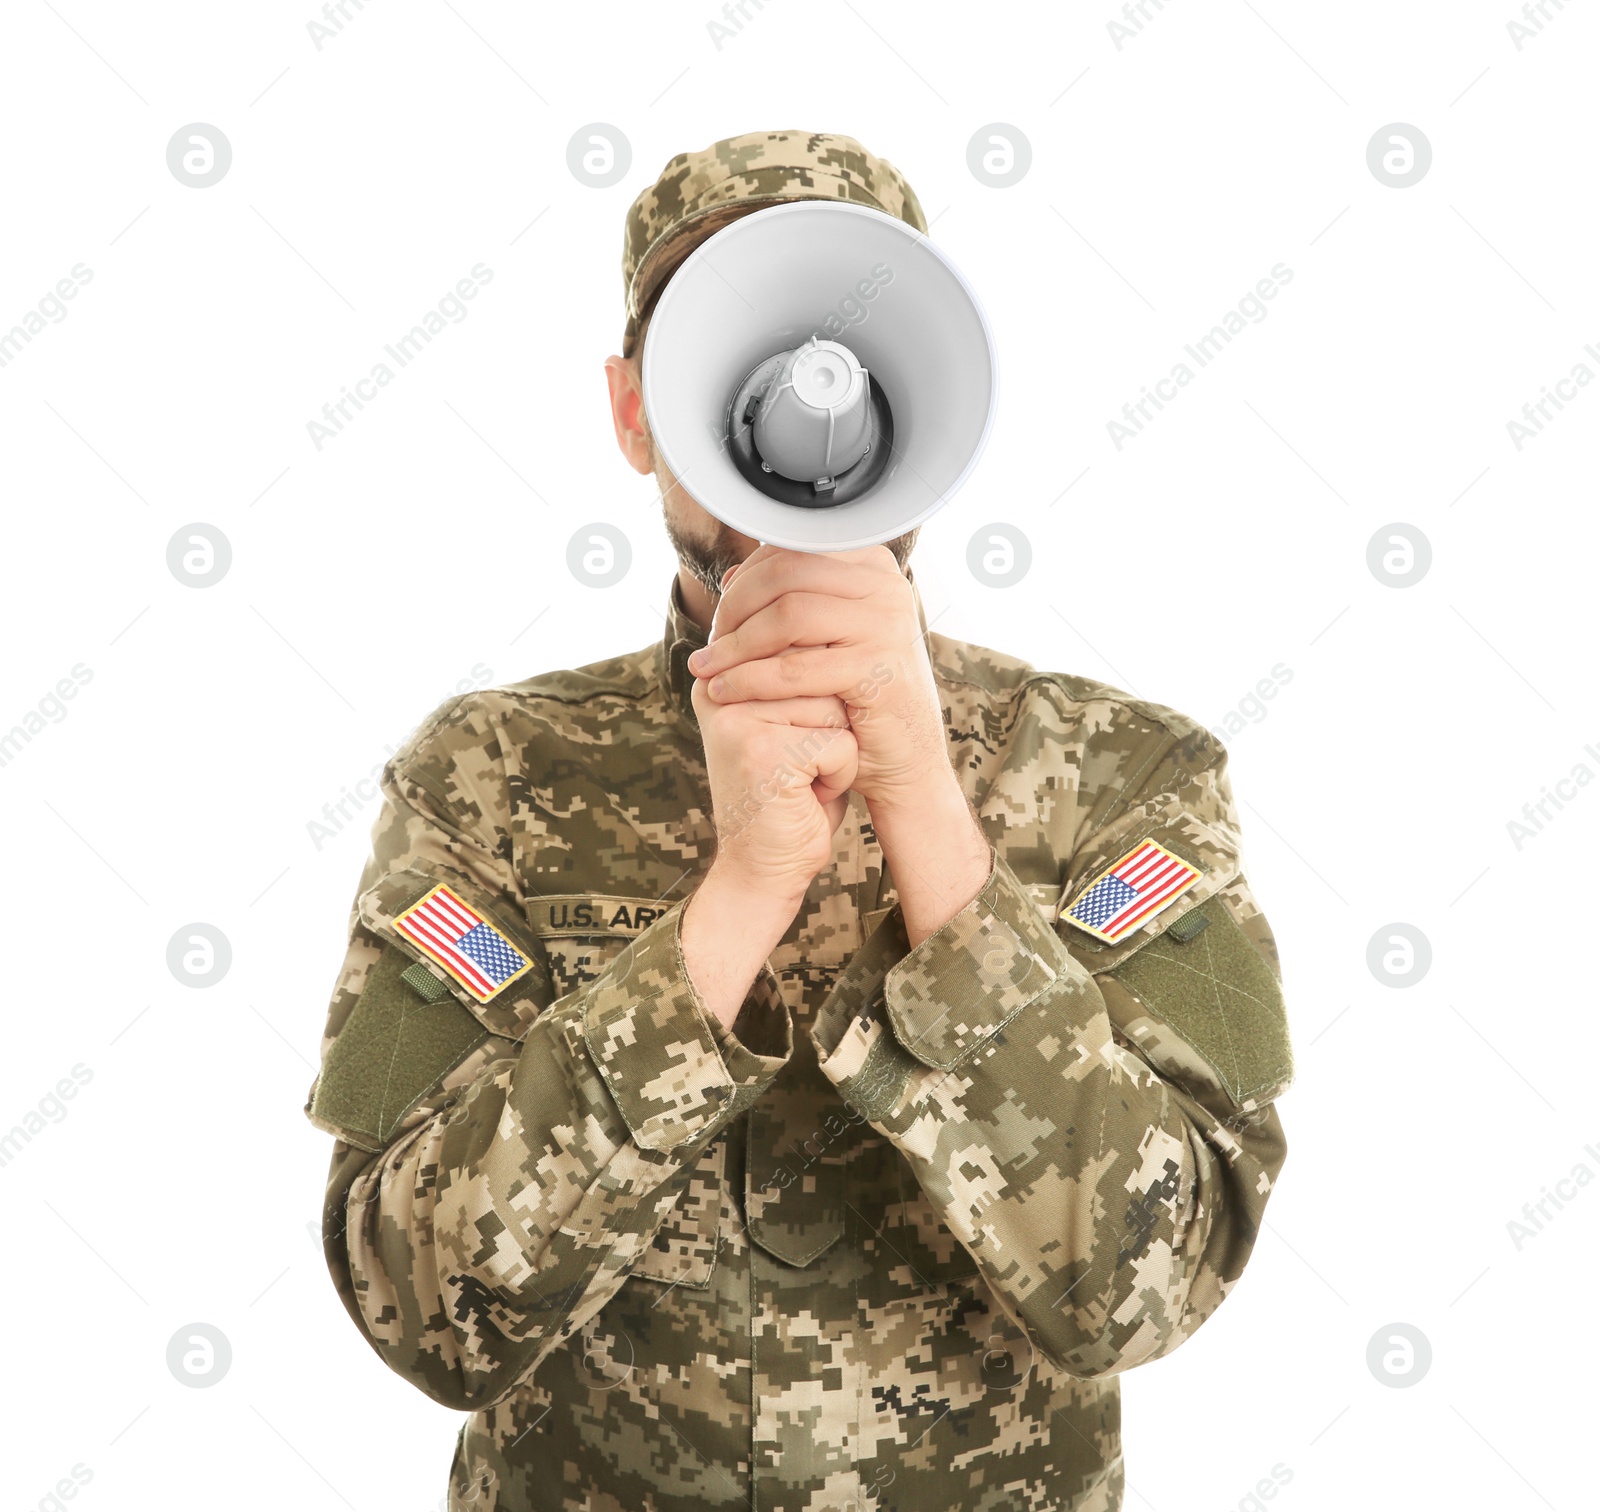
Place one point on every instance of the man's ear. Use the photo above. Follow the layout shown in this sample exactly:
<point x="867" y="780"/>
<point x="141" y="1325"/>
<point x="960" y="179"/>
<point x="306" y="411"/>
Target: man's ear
<point x="627" y="413"/>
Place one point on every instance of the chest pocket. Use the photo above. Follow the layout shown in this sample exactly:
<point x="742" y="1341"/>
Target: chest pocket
<point x="684" y="1249"/>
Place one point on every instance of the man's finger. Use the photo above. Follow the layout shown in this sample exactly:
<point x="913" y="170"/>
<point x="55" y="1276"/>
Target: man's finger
<point x="811" y="672"/>
<point x="812" y="713"/>
<point x="763" y="578"/>
<point x="837" y="764"/>
<point x="794" y="619"/>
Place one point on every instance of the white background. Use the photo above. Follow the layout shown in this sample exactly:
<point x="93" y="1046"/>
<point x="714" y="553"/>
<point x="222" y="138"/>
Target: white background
<point x="409" y="557"/>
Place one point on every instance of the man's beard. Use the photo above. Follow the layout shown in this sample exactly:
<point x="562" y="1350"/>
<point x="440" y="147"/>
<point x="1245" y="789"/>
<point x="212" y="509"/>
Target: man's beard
<point x="708" y="561"/>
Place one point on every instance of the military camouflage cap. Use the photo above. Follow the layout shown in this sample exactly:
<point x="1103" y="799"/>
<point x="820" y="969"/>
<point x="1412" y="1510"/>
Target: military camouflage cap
<point x="699" y="193"/>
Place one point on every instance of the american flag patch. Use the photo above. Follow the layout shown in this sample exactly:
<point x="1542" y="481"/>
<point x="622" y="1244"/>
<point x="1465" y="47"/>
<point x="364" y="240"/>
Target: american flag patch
<point x="471" y="949"/>
<point x="1123" y="897"/>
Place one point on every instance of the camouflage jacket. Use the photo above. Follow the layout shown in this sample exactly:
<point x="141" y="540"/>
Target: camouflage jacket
<point x="885" y="1243"/>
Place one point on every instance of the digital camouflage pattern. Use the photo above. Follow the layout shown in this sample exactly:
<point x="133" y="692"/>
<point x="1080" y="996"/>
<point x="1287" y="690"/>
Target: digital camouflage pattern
<point x="699" y="193"/>
<point x="887" y="1242"/>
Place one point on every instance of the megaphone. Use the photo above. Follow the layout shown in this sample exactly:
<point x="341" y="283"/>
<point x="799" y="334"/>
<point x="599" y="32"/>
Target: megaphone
<point x="819" y="376"/>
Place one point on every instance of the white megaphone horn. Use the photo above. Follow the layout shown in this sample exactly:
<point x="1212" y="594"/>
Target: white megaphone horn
<point x="819" y="376"/>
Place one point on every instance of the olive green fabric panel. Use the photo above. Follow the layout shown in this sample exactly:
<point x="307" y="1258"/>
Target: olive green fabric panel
<point x="395" y="1046"/>
<point x="1216" y="990"/>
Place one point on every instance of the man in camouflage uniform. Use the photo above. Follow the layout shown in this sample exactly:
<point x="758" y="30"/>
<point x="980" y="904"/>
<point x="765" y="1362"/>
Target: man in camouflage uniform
<point x="776" y="1080"/>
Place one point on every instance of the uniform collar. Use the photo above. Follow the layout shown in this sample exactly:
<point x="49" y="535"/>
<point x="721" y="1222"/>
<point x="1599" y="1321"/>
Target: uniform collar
<point x="682" y="637"/>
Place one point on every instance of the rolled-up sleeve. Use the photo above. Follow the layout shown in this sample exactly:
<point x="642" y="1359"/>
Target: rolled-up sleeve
<point x="502" y="1160"/>
<point x="1095" y="1125"/>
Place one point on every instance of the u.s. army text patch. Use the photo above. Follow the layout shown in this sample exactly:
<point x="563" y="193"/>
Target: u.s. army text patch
<point x="1131" y="891"/>
<point x="594" y="914"/>
<point x="471" y="949"/>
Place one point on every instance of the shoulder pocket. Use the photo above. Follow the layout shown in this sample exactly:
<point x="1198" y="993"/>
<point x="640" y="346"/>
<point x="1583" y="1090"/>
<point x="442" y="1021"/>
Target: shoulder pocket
<point x="404" y="1035"/>
<point x="1206" y="981"/>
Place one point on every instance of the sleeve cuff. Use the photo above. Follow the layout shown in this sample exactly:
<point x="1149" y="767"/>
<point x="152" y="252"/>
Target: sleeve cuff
<point x="671" y="1068"/>
<point x="947" y="996"/>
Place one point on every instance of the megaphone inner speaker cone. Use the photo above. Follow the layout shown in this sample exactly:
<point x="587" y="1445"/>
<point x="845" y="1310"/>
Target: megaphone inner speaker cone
<point x="853" y="474"/>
